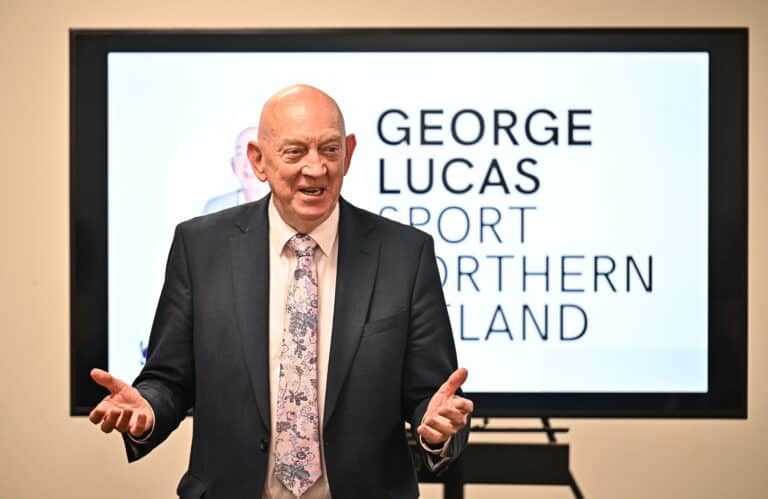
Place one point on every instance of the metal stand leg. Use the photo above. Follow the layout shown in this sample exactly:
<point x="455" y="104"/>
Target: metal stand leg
<point x="575" y="487"/>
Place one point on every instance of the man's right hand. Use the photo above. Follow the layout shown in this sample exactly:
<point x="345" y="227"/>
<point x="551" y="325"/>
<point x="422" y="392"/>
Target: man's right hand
<point x="124" y="409"/>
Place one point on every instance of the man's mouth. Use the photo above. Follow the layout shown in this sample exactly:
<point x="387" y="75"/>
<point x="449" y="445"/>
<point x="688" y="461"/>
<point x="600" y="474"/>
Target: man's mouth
<point x="314" y="191"/>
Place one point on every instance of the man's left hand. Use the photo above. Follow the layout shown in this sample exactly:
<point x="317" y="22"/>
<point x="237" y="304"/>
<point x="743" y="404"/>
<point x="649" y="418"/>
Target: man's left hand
<point x="447" y="412"/>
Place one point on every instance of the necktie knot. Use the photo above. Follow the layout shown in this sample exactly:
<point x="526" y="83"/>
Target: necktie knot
<point x="302" y="244"/>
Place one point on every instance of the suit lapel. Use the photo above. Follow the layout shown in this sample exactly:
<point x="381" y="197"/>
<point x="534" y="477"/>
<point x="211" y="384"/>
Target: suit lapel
<point x="250" y="274"/>
<point x="357" y="263"/>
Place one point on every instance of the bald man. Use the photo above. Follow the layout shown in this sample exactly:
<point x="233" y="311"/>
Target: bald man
<point x="302" y="331"/>
<point x="251" y="188"/>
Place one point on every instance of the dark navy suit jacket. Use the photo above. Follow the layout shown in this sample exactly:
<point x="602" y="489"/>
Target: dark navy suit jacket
<point x="391" y="348"/>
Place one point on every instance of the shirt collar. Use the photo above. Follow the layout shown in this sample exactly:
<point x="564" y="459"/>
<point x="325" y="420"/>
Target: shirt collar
<point x="280" y="232"/>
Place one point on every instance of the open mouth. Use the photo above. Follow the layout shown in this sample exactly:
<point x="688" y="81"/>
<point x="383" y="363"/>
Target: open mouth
<point x="314" y="191"/>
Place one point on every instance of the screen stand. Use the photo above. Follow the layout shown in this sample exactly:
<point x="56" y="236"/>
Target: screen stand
<point x="513" y="463"/>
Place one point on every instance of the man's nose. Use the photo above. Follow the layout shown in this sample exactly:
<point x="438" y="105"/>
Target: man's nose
<point x="314" y="165"/>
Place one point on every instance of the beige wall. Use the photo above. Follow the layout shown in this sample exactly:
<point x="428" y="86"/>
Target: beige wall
<point x="45" y="453"/>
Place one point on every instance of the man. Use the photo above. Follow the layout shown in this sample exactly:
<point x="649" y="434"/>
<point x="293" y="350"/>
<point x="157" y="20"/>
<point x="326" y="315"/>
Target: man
<point x="251" y="188"/>
<point x="302" y="330"/>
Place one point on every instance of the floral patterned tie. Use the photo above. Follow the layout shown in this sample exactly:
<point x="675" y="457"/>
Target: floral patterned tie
<point x="297" y="445"/>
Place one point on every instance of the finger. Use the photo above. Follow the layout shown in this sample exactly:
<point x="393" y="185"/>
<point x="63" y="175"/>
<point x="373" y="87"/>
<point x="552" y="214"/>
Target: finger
<point x="454" y="382"/>
<point x="102" y="408"/>
<point x="464" y="405"/>
<point x="454" y="415"/>
<point x="124" y="421"/>
<point x="430" y="435"/>
<point x="97" y="414"/>
<point x="140" y="426"/>
<point x="442" y="425"/>
<point x="109" y="421"/>
<point x="106" y="380"/>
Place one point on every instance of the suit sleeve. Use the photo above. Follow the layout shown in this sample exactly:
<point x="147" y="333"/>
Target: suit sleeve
<point x="431" y="353"/>
<point x="167" y="380"/>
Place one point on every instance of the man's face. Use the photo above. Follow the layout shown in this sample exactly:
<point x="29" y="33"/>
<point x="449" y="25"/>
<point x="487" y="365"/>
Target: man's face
<point x="303" y="153"/>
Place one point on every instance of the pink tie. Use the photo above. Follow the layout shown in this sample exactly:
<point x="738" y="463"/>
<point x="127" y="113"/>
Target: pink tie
<point x="297" y="448"/>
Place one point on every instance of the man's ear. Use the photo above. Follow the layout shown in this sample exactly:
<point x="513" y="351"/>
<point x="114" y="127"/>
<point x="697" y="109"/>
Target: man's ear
<point x="350" y="143"/>
<point x="256" y="159"/>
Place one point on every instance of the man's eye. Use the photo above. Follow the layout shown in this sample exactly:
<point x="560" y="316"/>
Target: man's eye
<point x="332" y="149"/>
<point x="294" y="151"/>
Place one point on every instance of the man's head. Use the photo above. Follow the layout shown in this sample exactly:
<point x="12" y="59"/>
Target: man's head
<point x="303" y="152"/>
<point x="253" y="188"/>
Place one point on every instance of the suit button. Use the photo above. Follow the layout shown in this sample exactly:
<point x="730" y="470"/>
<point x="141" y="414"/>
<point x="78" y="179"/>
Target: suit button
<point x="263" y="446"/>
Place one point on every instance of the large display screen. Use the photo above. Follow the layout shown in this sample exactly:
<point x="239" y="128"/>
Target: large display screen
<point x="568" y="193"/>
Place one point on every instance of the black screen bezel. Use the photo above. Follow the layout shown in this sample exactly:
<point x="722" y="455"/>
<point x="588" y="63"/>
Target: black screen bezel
<point x="728" y="149"/>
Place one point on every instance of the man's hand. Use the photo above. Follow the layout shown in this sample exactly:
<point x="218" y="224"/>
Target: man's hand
<point x="447" y="412"/>
<point x="124" y="409"/>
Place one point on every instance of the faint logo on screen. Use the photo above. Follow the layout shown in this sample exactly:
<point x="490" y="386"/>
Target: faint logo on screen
<point x="251" y="188"/>
<point x="143" y="349"/>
